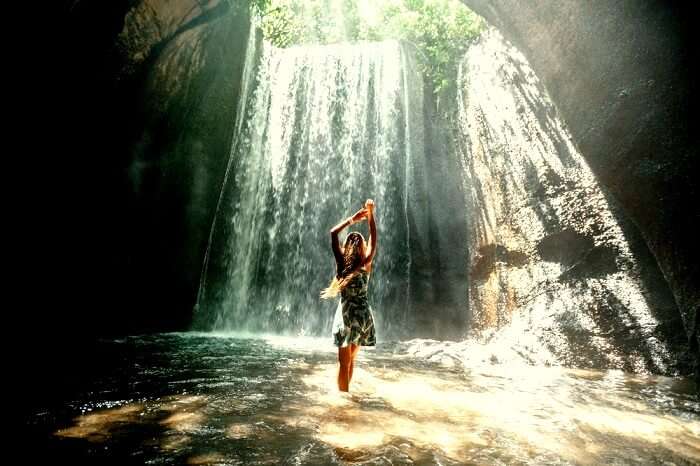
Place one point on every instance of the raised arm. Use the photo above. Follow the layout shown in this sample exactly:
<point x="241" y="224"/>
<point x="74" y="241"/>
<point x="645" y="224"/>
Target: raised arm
<point x="369" y="207"/>
<point x="335" y="245"/>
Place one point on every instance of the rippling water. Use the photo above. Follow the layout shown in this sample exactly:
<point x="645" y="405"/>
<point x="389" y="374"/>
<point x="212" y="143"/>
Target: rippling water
<point x="208" y="399"/>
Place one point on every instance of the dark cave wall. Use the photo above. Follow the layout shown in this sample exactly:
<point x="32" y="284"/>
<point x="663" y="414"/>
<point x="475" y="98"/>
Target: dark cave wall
<point x="620" y="75"/>
<point x="190" y="86"/>
<point x="141" y="105"/>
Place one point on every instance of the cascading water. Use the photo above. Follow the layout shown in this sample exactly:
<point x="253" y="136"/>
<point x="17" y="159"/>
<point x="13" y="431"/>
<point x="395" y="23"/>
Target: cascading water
<point x="550" y="273"/>
<point x="550" y="266"/>
<point x="325" y="128"/>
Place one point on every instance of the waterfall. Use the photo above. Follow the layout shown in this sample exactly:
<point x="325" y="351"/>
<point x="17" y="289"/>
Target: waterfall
<point x="322" y="129"/>
<point x="551" y="272"/>
<point x="407" y="177"/>
<point x="550" y="275"/>
<point x="249" y="68"/>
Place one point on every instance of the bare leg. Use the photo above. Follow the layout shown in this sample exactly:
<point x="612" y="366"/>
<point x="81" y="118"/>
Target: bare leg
<point x="343" y="372"/>
<point x="354" y="349"/>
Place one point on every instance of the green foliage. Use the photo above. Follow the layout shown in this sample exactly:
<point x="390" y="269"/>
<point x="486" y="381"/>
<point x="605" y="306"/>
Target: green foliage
<point x="441" y="30"/>
<point x="256" y="7"/>
<point x="260" y="6"/>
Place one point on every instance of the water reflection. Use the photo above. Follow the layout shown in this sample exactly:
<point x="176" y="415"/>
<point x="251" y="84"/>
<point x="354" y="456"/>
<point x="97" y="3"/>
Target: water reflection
<point x="275" y="403"/>
<point x="524" y="412"/>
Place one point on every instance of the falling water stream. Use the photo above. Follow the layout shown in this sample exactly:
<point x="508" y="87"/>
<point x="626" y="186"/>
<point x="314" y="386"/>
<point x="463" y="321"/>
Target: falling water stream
<point x="325" y="127"/>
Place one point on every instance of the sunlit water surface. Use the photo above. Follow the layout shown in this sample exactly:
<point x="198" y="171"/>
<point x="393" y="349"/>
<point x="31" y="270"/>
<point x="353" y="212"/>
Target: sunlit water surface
<point x="204" y="399"/>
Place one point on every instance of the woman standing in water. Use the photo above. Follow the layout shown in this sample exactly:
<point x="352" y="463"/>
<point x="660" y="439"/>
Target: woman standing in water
<point x="353" y="325"/>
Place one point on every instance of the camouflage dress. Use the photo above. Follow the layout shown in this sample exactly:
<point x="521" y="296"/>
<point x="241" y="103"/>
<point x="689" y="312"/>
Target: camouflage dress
<point x="354" y="321"/>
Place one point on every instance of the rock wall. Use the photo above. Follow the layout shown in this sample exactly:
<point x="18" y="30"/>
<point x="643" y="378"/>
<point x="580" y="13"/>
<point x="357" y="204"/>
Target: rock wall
<point x="620" y="74"/>
<point x="191" y="80"/>
<point x="140" y="105"/>
<point x="552" y="273"/>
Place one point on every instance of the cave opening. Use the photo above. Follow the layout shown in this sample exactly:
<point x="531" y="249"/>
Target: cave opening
<point x="535" y="287"/>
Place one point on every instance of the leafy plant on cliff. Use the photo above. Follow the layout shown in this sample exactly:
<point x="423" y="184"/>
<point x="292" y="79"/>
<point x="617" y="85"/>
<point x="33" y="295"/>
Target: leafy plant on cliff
<point x="441" y="30"/>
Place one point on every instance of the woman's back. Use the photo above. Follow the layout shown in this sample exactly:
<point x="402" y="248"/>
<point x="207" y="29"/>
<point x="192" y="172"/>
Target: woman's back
<point x="356" y="289"/>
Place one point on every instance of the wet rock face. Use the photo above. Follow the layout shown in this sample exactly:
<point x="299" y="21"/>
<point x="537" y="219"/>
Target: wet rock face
<point x="190" y="82"/>
<point x="190" y="94"/>
<point x="565" y="247"/>
<point x="151" y="24"/>
<point x="148" y="93"/>
<point x="489" y="255"/>
<point x="620" y="74"/>
<point x="578" y="253"/>
<point x="556" y="272"/>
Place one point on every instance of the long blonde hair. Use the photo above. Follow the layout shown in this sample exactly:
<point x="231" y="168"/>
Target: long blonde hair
<point x="353" y="259"/>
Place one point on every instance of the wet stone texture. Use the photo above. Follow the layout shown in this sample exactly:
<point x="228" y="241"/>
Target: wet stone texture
<point x="552" y="264"/>
<point x="622" y="76"/>
<point x="148" y="94"/>
<point x="187" y="60"/>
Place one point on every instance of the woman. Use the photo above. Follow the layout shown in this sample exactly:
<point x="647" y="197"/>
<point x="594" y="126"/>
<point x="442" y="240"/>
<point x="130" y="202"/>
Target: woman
<point x="353" y="325"/>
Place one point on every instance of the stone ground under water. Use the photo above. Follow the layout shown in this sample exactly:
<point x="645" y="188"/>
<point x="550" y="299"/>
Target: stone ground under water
<point x="222" y="399"/>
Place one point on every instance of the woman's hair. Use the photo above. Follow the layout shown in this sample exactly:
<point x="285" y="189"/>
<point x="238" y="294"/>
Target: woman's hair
<point x="353" y="257"/>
